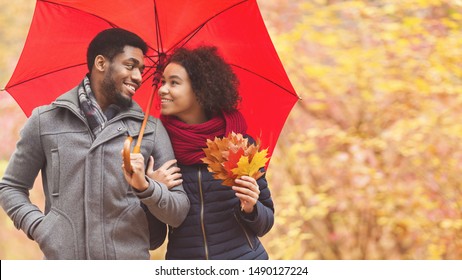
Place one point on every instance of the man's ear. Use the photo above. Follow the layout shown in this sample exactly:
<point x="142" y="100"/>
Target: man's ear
<point x="100" y="63"/>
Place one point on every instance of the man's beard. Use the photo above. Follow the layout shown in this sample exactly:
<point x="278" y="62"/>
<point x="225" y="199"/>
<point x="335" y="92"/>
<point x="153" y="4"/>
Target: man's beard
<point x="112" y="94"/>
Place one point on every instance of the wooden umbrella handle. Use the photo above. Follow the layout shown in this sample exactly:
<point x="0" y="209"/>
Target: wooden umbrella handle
<point x="128" y="142"/>
<point x="136" y="150"/>
<point x="126" y="155"/>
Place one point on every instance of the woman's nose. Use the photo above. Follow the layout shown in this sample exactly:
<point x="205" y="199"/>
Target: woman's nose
<point x="163" y="90"/>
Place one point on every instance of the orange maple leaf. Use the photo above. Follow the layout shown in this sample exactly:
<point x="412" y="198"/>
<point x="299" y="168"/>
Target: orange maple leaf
<point x="232" y="161"/>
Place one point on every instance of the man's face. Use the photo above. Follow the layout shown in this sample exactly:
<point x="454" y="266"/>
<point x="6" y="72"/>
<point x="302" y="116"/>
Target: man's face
<point x="123" y="77"/>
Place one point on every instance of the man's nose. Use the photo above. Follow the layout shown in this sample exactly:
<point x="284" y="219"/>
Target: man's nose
<point x="136" y="75"/>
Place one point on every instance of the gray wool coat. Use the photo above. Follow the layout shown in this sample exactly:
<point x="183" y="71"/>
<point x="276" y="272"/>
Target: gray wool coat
<point x="91" y="212"/>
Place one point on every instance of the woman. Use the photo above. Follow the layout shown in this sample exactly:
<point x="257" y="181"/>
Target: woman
<point x="199" y="98"/>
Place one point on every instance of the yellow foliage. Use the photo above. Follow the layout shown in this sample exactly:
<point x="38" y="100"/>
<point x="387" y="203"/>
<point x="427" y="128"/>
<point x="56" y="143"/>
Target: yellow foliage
<point x="250" y="166"/>
<point x="376" y="140"/>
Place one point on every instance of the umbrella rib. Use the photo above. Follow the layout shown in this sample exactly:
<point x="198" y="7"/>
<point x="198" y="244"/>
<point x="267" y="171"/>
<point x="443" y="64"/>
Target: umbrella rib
<point x="189" y="36"/>
<point x="48" y="73"/>
<point x="266" y="79"/>
<point x="229" y="8"/>
<point x="67" y="6"/>
<point x="147" y="76"/>
<point x="158" y="35"/>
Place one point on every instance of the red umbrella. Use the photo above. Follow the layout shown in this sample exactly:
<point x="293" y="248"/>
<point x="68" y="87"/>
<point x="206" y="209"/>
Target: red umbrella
<point x="53" y="59"/>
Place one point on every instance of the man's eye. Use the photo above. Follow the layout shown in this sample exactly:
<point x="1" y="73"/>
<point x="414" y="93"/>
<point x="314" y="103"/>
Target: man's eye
<point x="130" y="67"/>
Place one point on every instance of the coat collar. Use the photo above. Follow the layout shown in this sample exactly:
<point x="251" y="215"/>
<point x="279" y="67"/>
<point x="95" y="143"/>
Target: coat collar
<point x="70" y="100"/>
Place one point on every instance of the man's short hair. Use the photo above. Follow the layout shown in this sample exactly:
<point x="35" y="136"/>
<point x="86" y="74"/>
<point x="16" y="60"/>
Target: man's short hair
<point x="111" y="42"/>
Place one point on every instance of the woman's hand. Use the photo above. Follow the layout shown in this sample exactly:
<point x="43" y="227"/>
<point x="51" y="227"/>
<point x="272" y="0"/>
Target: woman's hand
<point x="247" y="191"/>
<point x="168" y="173"/>
<point x="136" y="179"/>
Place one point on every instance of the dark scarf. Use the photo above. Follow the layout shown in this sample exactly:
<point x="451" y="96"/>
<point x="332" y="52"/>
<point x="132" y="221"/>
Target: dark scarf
<point x="90" y="109"/>
<point x="189" y="140"/>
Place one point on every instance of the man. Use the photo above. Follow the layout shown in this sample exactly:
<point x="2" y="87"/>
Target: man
<point x="93" y="209"/>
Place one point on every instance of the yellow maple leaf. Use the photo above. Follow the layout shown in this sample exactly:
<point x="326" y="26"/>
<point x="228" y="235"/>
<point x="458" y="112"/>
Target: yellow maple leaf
<point x="251" y="167"/>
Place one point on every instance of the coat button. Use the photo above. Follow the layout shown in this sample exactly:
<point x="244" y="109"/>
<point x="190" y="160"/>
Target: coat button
<point x="119" y="129"/>
<point x="163" y="204"/>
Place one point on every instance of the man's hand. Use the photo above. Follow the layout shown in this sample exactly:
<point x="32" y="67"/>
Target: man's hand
<point x="137" y="179"/>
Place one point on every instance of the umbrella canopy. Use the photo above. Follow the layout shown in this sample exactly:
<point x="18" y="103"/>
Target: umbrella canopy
<point x="54" y="56"/>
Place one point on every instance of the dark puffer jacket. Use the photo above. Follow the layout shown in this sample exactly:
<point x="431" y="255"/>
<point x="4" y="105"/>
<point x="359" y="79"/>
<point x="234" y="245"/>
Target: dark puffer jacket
<point x="215" y="227"/>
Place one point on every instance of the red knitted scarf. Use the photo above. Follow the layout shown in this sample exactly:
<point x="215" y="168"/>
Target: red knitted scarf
<point x="189" y="140"/>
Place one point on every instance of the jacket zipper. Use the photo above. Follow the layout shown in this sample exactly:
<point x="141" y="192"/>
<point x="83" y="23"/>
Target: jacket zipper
<point x="199" y="178"/>
<point x="245" y="232"/>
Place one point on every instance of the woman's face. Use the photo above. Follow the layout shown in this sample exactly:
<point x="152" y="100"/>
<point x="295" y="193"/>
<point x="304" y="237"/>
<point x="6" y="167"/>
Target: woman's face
<point x="177" y="96"/>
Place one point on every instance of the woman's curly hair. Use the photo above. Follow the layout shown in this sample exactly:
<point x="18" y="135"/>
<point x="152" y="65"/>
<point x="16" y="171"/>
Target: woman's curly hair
<point x="212" y="79"/>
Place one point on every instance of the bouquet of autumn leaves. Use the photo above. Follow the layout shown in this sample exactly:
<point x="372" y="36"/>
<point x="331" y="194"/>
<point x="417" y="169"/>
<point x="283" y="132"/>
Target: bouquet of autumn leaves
<point x="231" y="157"/>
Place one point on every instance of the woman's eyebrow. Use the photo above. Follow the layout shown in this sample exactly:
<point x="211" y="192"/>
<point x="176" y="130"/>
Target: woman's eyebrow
<point x="175" y="77"/>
